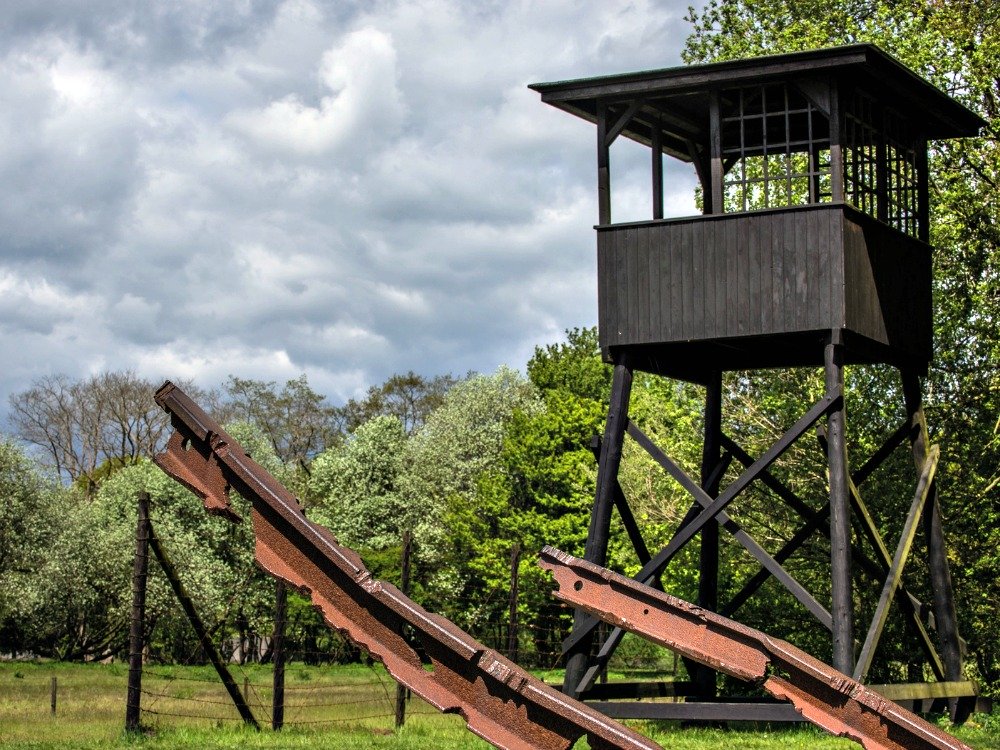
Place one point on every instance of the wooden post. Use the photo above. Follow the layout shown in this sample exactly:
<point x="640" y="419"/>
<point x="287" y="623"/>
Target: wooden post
<point x="246" y="689"/>
<point x="278" y="656"/>
<point x="945" y="615"/>
<point x="708" y="581"/>
<point x="603" y="167"/>
<point x="657" y="148"/>
<point x="596" y="550"/>
<point x="836" y="146"/>
<point x="512" y="640"/>
<point x="199" y="628"/>
<point x="140" y="569"/>
<point x="405" y="588"/>
<point x="714" y="197"/>
<point x="52" y="694"/>
<point x="840" y="519"/>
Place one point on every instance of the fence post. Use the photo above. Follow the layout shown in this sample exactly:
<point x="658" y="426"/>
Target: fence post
<point x="405" y="587"/>
<point x="140" y="569"/>
<point x="278" y="656"/>
<point x="52" y="686"/>
<point x="512" y="626"/>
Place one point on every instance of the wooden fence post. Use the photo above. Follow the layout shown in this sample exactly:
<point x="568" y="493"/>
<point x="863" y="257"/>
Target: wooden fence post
<point x="140" y="569"/>
<point x="52" y="687"/>
<point x="278" y="656"/>
<point x="512" y="626"/>
<point x="405" y="588"/>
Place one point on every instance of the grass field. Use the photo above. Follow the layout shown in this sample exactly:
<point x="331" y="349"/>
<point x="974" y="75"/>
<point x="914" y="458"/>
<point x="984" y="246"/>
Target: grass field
<point x="347" y="707"/>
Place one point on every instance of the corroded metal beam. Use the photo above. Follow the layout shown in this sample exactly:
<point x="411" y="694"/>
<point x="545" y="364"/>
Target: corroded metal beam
<point x="821" y="694"/>
<point x="500" y="702"/>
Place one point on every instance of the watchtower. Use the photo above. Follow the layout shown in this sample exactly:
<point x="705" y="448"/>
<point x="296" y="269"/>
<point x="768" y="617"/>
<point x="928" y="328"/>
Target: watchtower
<point x="811" y="252"/>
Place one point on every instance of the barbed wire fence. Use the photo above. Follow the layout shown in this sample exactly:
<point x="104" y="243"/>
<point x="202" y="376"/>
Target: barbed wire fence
<point x="293" y="693"/>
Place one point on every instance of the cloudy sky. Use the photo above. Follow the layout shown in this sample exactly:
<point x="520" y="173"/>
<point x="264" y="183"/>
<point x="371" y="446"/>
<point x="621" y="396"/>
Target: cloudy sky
<point x="196" y="188"/>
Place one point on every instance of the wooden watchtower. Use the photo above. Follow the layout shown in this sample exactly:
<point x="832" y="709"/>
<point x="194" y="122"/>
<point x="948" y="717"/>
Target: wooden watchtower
<point x="811" y="252"/>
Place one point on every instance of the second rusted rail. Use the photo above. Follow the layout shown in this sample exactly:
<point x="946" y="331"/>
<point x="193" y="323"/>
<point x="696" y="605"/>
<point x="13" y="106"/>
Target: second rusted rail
<point x="501" y="702"/>
<point x="822" y="695"/>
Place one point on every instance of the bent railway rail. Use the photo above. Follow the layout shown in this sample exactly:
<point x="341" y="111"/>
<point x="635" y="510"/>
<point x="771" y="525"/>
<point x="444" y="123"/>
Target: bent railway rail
<point x="500" y="702"/>
<point x="820" y="693"/>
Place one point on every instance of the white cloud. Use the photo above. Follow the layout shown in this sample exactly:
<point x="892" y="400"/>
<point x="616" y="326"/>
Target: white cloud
<point x="364" y="99"/>
<point x="269" y="188"/>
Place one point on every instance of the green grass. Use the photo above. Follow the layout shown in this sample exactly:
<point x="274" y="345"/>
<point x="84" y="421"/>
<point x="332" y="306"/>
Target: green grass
<point x="346" y="707"/>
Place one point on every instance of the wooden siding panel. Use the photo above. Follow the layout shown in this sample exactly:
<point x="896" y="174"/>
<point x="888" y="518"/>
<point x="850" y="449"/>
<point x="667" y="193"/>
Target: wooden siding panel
<point x="768" y="273"/>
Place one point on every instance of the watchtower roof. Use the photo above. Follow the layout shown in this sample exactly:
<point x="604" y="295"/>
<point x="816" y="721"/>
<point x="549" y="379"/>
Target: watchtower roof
<point x="679" y="98"/>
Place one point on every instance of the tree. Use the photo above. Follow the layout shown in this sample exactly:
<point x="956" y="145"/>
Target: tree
<point x="29" y="522"/>
<point x="82" y="425"/>
<point x="354" y="487"/>
<point x="297" y="420"/>
<point x="410" y="398"/>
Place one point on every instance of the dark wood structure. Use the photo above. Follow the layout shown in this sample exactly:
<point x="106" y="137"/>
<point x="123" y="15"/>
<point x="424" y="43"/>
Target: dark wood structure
<point x="811" y="252"/>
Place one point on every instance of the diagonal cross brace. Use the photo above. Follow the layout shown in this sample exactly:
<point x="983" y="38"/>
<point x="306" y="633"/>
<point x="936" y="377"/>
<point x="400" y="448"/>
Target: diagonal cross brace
<point x="892" y="580"/>
<point x="656" y="565"/>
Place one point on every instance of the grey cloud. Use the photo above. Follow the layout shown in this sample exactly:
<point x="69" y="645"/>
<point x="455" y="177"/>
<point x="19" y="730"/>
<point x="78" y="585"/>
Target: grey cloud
<point x="270" y="188"/>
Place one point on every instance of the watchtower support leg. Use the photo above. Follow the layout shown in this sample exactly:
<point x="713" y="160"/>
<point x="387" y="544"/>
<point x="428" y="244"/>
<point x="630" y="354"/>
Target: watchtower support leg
<point x="600" y="519"/>
<point x="840" y="518"/>
<point x="945" y="616"/>
<point x="708" y="582"/>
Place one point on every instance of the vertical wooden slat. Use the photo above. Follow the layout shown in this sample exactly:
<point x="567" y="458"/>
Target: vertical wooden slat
<point x="709" y="279"/>
<point x="754" y="238"/>
<point x="696" y="279"/>
<point x="690" y="272"/>
<point x="722" y="272"/>
<point x="767" y="276"/>
<point x="642" y="280"/>
<point x="732" y="273"/>
<point x="667" y="283"/>
<point x="655" y="257"/>
<point x="621" y="287"/>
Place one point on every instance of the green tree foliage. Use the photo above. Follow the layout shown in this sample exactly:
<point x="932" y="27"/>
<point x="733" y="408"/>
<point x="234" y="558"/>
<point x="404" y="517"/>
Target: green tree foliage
<point x="443" y="462"/>
<point x="355" y="486"/>
<point x="29" y="522"/>
<point x="956" y="45"/>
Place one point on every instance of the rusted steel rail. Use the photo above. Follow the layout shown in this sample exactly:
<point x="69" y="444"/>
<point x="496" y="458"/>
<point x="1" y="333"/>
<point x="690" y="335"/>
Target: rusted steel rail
<point x="821" y="694"/>
<point x="501" y="702"/>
